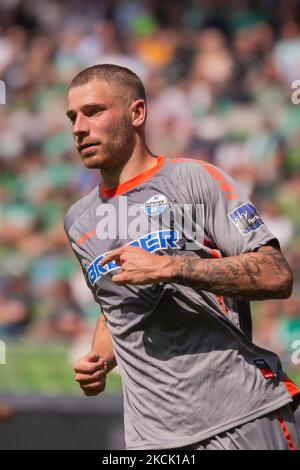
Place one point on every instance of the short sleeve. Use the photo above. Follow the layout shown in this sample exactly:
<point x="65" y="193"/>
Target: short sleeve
<point x="232" y="223"/>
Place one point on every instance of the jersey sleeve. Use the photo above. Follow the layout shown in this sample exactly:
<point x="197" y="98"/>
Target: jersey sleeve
<point x="79" y="254"/>
<point x="232" y="223"/>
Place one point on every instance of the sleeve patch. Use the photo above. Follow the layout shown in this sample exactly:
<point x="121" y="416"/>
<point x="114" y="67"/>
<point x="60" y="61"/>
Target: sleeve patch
<point x="246" y="219"/>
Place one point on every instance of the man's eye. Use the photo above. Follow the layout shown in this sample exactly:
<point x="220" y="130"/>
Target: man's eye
<point x="92" y="112"/>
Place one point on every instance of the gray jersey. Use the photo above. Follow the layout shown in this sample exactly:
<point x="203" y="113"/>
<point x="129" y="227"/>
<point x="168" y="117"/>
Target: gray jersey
<point x="188" y="364"/>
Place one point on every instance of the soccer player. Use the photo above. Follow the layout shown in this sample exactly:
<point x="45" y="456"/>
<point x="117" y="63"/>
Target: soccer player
<point x="175" y="314"/>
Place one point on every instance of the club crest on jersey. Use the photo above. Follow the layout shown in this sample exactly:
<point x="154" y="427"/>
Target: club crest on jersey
<point x="156" y="204"/>
<point x="246" y="218"/>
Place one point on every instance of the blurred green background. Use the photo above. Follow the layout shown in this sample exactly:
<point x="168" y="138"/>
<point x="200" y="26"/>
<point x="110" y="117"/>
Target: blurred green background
<point x="219" y="80"/>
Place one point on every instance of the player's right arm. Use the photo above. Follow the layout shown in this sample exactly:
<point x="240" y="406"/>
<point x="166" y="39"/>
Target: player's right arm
<point x="102" y="343"/>
<point x="91" y="369"/>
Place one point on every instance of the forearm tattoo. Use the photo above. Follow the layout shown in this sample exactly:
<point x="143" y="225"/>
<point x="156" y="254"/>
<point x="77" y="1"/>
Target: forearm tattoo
<point x="260" y="275"/>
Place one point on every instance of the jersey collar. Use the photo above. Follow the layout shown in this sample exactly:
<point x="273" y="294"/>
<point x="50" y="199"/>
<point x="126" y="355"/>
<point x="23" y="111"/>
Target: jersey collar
<point x="132" y="182"/>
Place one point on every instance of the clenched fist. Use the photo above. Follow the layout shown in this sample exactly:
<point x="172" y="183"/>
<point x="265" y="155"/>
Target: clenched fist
<point x="90" y="373"/>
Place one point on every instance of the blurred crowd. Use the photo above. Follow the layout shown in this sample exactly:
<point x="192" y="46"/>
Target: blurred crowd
<point x="218" y="77"/>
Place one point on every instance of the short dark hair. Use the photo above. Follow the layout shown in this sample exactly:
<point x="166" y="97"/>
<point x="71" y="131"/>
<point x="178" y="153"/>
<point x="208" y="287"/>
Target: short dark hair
<point x="111" y="73"/>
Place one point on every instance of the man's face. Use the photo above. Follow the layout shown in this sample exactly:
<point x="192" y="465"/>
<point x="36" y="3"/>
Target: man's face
<point x="101" y="124"/>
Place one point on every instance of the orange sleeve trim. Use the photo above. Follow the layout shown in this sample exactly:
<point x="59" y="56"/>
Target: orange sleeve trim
<point x="232" y="196"/>
<point x="224" y="186"/>
<point x="213" y="171"/>
<point x="286" y="431"/>
<point x="291" y="387"/>
<point x="214" y="253"/>
<point x="133" y="182"/>
<point x="85" y="237"/>
<point x="213" y="249"/>
<point x="220" y="300"/>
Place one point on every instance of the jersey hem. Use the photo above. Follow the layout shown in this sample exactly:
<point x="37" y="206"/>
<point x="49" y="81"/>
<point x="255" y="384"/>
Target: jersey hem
<point x="217" y="430"/>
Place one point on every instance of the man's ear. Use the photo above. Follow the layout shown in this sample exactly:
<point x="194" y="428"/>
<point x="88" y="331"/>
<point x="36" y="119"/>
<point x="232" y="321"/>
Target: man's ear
<point x="138" y="112"/>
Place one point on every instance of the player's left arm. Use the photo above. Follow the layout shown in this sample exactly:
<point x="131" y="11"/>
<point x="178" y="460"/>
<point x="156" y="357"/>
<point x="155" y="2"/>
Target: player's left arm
<point x="258" y="275"/>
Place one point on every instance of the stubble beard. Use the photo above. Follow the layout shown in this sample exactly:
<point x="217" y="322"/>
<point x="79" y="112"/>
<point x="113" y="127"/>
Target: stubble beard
<point x="116" y="150"/>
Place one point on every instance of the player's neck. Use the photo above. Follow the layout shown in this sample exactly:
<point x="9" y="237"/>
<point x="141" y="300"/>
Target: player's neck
<point x="142" y="159"/>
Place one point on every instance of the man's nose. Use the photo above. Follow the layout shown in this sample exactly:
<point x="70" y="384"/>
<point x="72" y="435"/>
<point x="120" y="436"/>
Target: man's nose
<point x="80" y="126"/>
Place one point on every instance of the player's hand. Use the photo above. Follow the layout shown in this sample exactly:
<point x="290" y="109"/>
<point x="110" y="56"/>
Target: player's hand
<point x="90" y="373"/>
<point x="139" y="267"/>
